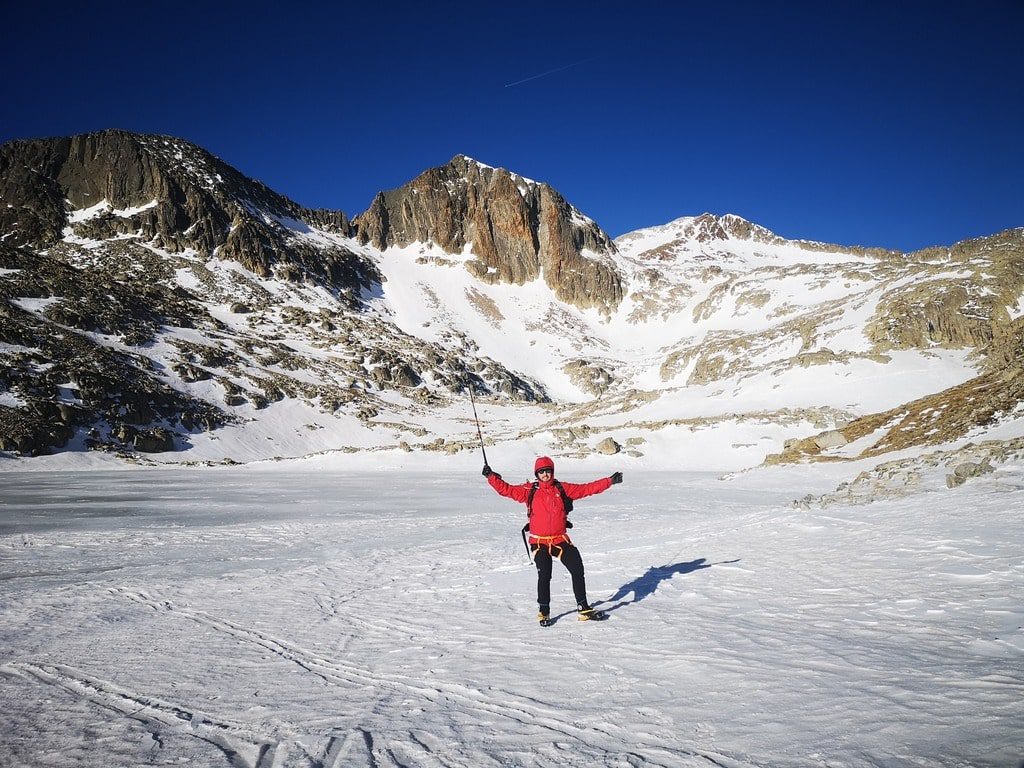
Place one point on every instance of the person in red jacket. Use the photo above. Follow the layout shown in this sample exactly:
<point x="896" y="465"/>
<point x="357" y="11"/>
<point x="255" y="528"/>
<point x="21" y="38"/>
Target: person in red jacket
<point x="548" y="523"/>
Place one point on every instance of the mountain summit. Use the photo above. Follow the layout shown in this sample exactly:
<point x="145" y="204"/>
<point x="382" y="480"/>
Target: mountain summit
<point x="516" y="230"/>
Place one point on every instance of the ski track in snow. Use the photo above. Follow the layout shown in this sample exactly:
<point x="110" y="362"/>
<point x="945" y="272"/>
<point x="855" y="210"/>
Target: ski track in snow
<point x="397" y="628"/>
<point x="155" y="714"/>
<point x="466" y="699"/>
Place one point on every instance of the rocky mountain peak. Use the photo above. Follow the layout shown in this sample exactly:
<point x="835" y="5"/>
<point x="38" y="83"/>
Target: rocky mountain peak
<point x="706" y="231"/>
<point x="515" y="229"/>
<point x="168" y="193"/>
<point x="739" y="228"/>
<point x="709" y="227"/>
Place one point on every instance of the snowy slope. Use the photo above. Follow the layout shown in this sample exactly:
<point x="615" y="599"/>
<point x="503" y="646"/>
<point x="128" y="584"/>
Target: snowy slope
<point x="529" y="330"/>
<point x="707" y="358"/>
<point x="296" y="336"/>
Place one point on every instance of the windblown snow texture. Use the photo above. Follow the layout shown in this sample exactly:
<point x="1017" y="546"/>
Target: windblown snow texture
<point x="257" y="618"/>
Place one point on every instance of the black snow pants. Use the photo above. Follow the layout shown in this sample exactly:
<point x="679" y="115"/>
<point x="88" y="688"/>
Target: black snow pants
<point x="571" y="559"/>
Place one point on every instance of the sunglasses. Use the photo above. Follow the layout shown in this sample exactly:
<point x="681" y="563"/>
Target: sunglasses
<point x="545" y="471"/>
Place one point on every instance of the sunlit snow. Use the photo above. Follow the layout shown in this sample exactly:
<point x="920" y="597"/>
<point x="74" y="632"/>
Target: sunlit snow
<point x="104" y="207"/>
<point x="315" y="616"/>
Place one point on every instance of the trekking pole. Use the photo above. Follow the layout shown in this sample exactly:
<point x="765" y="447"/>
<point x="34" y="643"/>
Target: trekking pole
<point x="477" y="420"/>
<point x="479" y="434"/>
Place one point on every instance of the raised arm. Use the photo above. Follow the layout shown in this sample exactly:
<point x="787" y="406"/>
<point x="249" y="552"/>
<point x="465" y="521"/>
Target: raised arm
<point x="516" y="492"/>
<point x="580" y="490"/>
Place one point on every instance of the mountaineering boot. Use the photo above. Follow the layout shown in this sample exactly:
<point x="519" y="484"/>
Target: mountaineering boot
<point x="543" y="616"/>
<point x="585" y="613"/>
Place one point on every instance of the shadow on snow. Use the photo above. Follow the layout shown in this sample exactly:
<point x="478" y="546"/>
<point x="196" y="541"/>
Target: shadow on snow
<point x="648" y="582"/>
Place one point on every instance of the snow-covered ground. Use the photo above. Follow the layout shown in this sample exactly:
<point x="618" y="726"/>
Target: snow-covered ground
<point x="312" y="617"/>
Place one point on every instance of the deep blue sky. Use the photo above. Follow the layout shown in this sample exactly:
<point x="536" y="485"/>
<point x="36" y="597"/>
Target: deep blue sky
<point x="897" y="124"/>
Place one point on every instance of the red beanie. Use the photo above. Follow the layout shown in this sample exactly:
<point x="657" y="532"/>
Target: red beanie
<point x="543" y="463"/>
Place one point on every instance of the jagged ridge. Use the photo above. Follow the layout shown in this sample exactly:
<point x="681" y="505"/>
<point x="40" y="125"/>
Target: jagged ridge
<point x="171" y="193"/>
<point x="126" y="241"/>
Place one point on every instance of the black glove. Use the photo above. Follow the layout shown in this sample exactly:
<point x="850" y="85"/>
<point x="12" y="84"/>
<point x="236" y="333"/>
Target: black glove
<point x="487" y="471"/>
<point x="616" y="478"/>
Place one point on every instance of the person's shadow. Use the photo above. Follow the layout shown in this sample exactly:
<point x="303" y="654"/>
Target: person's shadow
<point x="647" y="583"/>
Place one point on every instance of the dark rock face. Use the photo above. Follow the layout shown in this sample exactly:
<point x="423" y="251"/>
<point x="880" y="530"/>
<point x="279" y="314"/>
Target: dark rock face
<point x="171" y="193"/>
<point x="165" y="194"/>
<point x="109" y="307"/>
<point x="67" y="381"/>
<point x="517" y="229"/>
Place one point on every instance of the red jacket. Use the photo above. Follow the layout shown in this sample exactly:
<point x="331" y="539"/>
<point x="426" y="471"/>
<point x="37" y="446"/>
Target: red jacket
<point x="548" y="518"/>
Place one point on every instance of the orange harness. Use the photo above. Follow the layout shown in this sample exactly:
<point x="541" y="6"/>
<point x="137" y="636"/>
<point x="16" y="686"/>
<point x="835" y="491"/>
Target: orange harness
<point x="551" y="542"/>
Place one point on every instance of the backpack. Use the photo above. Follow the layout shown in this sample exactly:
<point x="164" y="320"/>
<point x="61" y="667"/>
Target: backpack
<point x="566" y="504"/>
<point x="566" y="501"/>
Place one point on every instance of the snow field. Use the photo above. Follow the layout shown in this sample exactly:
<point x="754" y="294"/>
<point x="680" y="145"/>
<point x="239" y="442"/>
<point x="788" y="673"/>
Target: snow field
<point x="245" y="617"/>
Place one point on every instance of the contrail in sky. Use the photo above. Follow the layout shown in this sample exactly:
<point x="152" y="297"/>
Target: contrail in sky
<point x="549" y="72"/>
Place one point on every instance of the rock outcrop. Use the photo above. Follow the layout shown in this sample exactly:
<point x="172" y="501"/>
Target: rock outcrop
<point x="171" y="194"/>
<point x="516" y="229"/>
<point x="934" y="472"/>
<point x="592" y="377"/>
<point x="962" y="296"/>
<point x="935" y="419"/>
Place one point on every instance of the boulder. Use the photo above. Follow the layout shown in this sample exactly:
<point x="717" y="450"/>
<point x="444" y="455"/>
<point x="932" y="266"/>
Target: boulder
<point x="968" y="469"/>
<point x="591" y="377"/>
<point x="156" y="440"/>
<point x="405" y="376"/>
<point x="190" y="373"/>
<point x="832" y="439"/>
